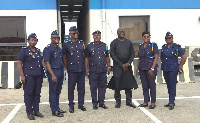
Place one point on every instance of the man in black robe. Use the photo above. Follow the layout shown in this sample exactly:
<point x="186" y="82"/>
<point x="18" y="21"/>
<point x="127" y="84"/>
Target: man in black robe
<point x="122" y="54"/>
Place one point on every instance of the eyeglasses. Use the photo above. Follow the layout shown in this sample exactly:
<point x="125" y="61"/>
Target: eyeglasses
<point x="168" y="37"/>
<point x="75" y="33"/>
<point x="58" y="38"/>
<point x="146" y="36"/>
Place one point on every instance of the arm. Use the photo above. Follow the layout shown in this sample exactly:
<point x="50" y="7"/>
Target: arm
<point x="137" y="70"/>
<point x="156" y="54"/>
<point x="20" y="69"/>
<point x="126" y="65"/>
<point x="113" y="54"/>
<point x="155" y="61"/>
<point x="108" y="64"/>
<point x="65" y="60"/>
<point x="48" y="66"/>
<point x="132" y="54"/>
<point x="183" y="59"/>
<point x="86" y="66"/>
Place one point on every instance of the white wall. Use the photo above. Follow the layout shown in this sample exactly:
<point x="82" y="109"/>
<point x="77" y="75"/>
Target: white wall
<point x="184" y="24"/>
<point x="68" y="25"/>
<point x="41" y="22"/>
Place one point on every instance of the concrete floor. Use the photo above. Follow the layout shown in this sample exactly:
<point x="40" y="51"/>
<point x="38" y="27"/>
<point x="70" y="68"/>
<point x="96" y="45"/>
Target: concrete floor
<point x="186" y="110"/>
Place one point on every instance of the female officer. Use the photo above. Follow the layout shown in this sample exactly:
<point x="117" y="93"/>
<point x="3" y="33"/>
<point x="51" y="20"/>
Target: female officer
<point x="171" y="67"/>
<point x="147" y="69"/>
<point x="29" y="64"/>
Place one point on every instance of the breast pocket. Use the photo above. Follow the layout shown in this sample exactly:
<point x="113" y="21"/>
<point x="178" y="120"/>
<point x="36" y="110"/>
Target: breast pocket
<point x="141" y="53"/>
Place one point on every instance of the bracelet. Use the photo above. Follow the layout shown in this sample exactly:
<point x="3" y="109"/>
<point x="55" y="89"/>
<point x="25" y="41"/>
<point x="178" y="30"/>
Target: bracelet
<point x="152" y="69"/>
<point x="109" y="67"/>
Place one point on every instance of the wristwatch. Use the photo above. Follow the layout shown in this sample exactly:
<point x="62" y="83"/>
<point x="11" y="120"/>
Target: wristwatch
<point x="152" y="69"/>
<point x="109" y="67"/>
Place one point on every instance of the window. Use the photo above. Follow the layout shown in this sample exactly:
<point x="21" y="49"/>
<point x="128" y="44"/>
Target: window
<point x="12" y="37"/>
<point x="134" y="26"/>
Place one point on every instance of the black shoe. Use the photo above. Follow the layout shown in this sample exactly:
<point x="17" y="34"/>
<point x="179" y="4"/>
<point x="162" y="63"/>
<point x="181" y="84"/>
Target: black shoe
<point x="103" y="106"/>
<point x="142" y="105"/>
<point x="82" y="108"/>
<point x="71" y="109"/>
<point x="167" y="105"/>
<point x="61" y="111"/>
<point x="118" y="105"/>
<point x="30" y="117"/>
<point x="95" y="107"/>
<point x="171" y="106"/>
<point x="58" y="114"/>
<point x="152" y="107"/>
<point x="38" y="114"/>
<point x="131" y="105"/>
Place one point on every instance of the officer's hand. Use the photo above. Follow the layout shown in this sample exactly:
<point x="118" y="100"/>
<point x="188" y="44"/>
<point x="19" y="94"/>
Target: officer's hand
<point x="108" y="70"/>
<point x="150" y="72"/>
<point x="87" y="72"/>
<point x="54" y="79"/>
<point x="23" y="79"/>
<point x="137" y="73"/>
<point x="180" y="70"/>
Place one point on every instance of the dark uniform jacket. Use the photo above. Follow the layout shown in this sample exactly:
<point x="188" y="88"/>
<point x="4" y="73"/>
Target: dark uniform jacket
<point x="97" y="57"/>
<point x="147" y="55"/>
<point x="74" y="52"/>
<point x="122" y="52"/>
<point x="54" y="56"/>
<point x="32" y="61"/>
<point x="169" y="57"/>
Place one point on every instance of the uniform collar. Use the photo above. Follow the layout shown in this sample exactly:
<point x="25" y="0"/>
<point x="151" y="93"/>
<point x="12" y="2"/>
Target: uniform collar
<point x="97" y="44"/>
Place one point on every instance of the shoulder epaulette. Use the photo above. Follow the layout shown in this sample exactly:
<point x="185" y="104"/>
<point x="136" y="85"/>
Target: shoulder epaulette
<point x="177" y="44"/>
<point x="25" y="47"/>
<point x="106" y="46"/>
<point x="48" y="46"/>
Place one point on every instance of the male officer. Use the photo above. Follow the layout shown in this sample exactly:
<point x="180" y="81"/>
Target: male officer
<point x="97" y="57"/>
<point x="171" y="67"/>
<point x="73" y="58"/>
<point x="53" y="61"/>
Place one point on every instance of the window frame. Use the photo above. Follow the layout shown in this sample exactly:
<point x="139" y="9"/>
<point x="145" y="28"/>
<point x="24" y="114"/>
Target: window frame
<point x="25" y="35"/>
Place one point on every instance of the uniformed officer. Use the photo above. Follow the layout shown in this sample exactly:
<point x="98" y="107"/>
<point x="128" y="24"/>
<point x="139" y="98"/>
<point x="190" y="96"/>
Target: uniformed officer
<point x="31" y="76"/>
<point x="99" y="64"/>
<point x="73" y="57"/>
<point x="170" y="66"/>
<point x="55" y="72"/>
<point x="147" y="69"/>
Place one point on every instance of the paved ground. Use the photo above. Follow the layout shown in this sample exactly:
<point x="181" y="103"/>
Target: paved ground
<point x="187" y="107"/>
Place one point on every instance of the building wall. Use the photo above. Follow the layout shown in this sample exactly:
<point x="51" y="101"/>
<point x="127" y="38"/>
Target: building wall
<point x="180" y="18"/>
<point x="41" y="16"/>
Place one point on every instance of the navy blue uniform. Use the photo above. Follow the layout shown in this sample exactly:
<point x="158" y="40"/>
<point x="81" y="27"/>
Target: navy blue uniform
<point x="146" y="62"/>
<point x="97" y="54"/>
<point x="54" y="56"/>
<point x="75" y="52"/>
<point x="33" y="71"/>
<point x="170" y="67"/>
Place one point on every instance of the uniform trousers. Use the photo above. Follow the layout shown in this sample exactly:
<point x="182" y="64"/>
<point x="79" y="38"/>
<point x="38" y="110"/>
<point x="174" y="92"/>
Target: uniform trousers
<point x="171" y="79"/>
<point x="148" y="84"/>
<point x="32" y="90"/>
<point x="73" y="78"/>
<point x="98" y="81"/>
<point x="54" y="92"/>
